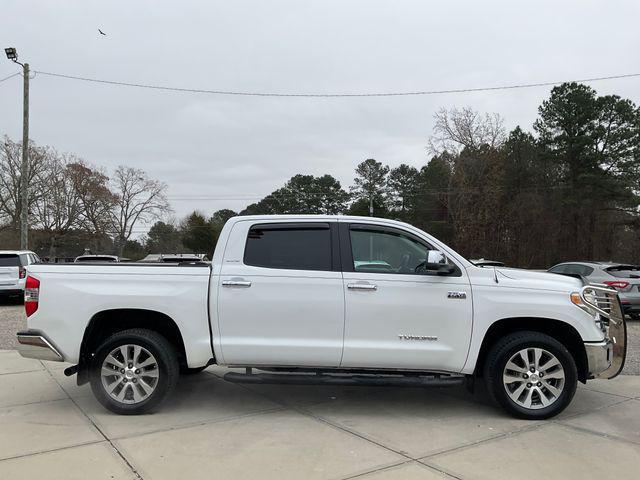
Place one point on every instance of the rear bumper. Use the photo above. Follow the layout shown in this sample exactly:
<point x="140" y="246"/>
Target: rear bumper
<point x="631" y="308"/>
<point x="11" y="290"/>
<point x="33" y="344"/>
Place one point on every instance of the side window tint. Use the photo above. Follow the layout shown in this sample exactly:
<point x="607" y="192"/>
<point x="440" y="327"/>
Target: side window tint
<point x="379" y="251"/>
<point x="572" y="269"/>
<point x="290" y="246"/>
<point x="558" y="269"/>
<point x="584" y="270"/>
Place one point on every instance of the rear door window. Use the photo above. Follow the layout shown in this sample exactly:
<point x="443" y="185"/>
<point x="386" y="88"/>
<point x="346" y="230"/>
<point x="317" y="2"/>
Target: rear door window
<point x="304" y="246"/>
<point x="9" y="260"/>
<point x="584" y="270"/>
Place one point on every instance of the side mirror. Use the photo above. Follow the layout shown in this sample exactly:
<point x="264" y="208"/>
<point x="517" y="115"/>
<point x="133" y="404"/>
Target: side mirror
<point x="437" y="263"/>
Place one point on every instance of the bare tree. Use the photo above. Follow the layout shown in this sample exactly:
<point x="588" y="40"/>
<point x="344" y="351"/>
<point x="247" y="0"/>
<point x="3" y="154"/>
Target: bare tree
<point x="56" y="209"/>
<point x="140" y="199"/>
<point x="457" y="129"/>
<point x="10" y="172"/>
<point x="96" y="198"/>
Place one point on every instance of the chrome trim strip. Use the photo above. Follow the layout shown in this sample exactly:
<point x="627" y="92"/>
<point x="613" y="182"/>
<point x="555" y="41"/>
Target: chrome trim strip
<point x="35" y="345"/>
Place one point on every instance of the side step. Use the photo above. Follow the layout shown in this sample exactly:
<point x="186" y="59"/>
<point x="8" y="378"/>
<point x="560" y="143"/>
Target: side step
<point x="330" y="379"/>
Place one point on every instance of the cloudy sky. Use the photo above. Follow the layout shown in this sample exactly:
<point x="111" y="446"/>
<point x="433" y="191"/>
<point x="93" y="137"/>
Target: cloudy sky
<point x="225" y="152"/>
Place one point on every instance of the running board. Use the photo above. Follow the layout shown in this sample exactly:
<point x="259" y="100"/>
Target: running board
<point x="329" y="379"/>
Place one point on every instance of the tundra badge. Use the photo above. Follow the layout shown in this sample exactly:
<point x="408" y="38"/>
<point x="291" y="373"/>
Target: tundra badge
<point x="417" y="337"/>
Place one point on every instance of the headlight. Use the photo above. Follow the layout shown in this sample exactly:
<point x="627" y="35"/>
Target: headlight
<point x="576" y="299"/>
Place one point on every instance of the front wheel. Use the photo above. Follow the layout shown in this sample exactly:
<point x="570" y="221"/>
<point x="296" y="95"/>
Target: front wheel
<point x="133" y="371"/>
<point x="531" y="375"/>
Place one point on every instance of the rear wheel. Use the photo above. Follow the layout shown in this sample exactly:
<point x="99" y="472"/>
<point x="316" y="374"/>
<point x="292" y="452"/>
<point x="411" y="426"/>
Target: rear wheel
<point x="133" y="371"/>
<point x="531" y="375"/>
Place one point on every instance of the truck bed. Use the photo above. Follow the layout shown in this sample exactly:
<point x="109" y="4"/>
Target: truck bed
<point x="73" y="294"/>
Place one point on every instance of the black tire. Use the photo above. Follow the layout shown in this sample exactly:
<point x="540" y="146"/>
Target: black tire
<point x="192" y="371"/>
<point x="510" y="345"/>
<point x="167" y="370"/>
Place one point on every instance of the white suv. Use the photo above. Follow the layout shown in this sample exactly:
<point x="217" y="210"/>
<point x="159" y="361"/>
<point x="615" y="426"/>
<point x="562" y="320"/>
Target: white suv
<point x="13" y="271"/>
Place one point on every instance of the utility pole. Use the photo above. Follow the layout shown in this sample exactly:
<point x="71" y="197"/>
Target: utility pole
<point x="24" y="170"/>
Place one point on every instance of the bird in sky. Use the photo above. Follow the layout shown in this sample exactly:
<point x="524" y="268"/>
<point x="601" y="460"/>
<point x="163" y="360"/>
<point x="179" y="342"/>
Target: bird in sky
<point x="101" y="32"/>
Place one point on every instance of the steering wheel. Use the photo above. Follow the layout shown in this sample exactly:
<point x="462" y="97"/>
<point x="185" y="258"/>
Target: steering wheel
<point x="404" y="263"/>
<point x="420" y="267"/>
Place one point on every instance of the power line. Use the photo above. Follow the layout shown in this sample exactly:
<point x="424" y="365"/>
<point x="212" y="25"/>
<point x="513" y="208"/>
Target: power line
<point x="332" y="95"/>
<point x="10" y="76"/>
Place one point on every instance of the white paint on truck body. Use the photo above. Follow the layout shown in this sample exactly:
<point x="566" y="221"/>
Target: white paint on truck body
<point x="308" y="318"/>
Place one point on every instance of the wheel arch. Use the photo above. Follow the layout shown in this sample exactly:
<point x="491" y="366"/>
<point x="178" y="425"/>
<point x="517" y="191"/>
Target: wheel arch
<point x="108" y="322"/>
<point x="561" y="331"/>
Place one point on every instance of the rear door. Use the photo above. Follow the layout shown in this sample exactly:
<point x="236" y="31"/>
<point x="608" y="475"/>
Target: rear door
<point x="9" y="269"/>
<point x="280" y="295"/>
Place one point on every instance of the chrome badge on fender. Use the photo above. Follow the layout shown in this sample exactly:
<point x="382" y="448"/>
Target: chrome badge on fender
<point x="461" y="295"/>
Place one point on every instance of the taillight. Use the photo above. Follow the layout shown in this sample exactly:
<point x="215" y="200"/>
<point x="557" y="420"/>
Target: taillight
<point x="22" y="272"/>
<point x="620" y="285"/>
<point x="31" y="293"/>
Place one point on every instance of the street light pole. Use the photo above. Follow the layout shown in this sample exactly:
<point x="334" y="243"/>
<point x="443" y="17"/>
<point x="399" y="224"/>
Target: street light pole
<point x="24" y="170"/>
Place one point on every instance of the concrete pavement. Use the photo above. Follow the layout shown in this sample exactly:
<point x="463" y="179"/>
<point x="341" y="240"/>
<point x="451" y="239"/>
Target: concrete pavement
<point x="52" y="429"/>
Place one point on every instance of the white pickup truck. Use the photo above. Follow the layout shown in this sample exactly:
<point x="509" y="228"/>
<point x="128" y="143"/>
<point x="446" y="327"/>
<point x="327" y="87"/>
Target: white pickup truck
<point x="330" y="300"/>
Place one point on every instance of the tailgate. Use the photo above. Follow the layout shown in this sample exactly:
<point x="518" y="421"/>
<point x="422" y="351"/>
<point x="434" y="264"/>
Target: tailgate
<point x="8" y="276"/>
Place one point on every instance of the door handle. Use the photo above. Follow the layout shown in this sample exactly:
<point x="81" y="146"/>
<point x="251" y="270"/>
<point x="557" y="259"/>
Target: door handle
<point x="361" y="286"/>
<point x="236" y="283"/>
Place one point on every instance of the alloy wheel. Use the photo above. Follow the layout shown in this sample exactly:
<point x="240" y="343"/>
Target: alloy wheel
<point x="129" y="374"/>
<point x="533" y="378"/>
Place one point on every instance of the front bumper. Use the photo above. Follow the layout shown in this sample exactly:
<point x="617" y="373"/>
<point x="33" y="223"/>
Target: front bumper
<point x="33" y="344"/>
<point x="605" y="359"/>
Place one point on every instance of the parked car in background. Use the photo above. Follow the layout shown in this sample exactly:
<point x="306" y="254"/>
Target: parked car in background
<point x="625" y="278"/>
<point x="13" y="271"/>
<point x="174" y="258"/>
<point x="96" y="259"/>
<point x="481" y="262"/>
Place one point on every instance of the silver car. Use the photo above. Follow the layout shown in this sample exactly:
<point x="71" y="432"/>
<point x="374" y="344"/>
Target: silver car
<point x="625" y="278"/>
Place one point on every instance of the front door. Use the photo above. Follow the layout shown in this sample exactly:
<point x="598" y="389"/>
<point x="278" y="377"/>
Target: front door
<point x="280" y="295"/>
<point x="396" y="316"/>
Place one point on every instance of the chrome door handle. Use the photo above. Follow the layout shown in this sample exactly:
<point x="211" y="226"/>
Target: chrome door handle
<point x="361" y="286"/>
<point x="236" y="283"/>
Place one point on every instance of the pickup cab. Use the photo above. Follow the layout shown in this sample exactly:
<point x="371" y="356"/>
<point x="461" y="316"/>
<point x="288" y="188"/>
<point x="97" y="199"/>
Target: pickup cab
<point x="330" y="300"/>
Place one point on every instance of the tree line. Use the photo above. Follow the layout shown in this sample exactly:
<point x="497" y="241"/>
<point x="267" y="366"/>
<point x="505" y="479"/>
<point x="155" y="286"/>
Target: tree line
<point x="569" y="189"/>
<point x="72" y="205"/>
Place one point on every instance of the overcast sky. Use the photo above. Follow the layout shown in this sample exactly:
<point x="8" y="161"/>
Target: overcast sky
<point x="241" y="148"/>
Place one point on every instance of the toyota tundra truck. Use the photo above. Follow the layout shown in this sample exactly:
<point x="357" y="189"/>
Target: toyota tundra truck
<point x="311" y="299"/>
